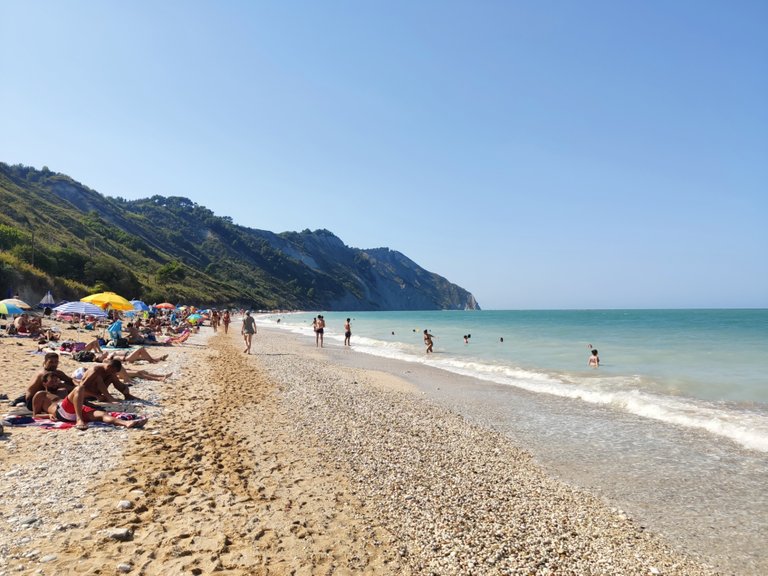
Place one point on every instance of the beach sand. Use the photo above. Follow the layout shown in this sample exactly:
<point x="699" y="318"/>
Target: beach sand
<point x="284" y="462"/>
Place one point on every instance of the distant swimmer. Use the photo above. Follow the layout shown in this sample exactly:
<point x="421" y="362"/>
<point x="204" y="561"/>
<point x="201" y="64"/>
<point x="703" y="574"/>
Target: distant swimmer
<point x="594" y="360"/>
<point x="428" y="341"/>
<point x="466" y="339"/>
<point x="501" y="339"/>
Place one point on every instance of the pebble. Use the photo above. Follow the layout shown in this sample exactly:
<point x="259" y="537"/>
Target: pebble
<point x="73" y="461"/>
<point x="121" y="534"/>
<point x="465" y="499"/>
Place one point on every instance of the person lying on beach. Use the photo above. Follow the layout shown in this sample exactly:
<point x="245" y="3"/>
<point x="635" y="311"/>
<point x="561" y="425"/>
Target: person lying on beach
<point x="125" y="375"/>
<point x="180" y="339"/>
<point x="50" y="364"/>
<point x="72" y="408"/>
<point x="103" y="356"/>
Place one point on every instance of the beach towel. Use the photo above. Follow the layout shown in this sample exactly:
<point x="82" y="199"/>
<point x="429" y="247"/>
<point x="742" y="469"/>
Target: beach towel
<point x="48" y="424"/>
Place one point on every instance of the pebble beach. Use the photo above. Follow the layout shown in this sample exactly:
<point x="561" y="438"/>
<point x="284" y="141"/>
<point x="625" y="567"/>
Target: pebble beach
<point x="285" y="462"/>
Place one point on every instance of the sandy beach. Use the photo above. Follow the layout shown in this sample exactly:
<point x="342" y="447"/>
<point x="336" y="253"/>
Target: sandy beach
<point x="284" y="462"/>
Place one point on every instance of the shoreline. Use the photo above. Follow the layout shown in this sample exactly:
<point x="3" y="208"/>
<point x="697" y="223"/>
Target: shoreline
<point x="289" y="460"/>
<point x="716" y="510"/>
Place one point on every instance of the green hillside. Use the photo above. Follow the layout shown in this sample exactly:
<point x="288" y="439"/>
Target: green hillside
<point x="57" y="234"/>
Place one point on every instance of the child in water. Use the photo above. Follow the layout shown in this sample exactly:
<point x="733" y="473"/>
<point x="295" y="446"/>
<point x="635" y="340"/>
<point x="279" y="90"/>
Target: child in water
<point x="594" y="360"/>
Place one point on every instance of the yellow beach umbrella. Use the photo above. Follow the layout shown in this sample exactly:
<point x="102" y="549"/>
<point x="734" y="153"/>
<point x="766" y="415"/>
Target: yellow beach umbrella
<point x="109" y="300"/>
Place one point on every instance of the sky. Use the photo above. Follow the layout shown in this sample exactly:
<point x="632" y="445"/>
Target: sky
<point x="541" y="154"/>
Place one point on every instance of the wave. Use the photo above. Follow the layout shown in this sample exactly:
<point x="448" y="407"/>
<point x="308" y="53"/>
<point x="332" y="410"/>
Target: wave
<point x="746" y="426"/>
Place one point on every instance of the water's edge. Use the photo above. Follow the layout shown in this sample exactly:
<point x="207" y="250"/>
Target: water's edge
<point x="703" y="494"/>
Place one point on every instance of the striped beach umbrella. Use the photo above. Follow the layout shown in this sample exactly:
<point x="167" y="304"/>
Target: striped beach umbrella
<point x="80" y="308"/>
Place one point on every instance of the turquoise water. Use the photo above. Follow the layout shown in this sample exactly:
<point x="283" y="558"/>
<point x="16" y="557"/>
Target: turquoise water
<point x="705" y="369"/>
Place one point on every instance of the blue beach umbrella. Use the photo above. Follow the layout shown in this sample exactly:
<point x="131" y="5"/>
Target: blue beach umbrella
<point x="80" y="308"/>
<point x="139" y="305"/>
<point x="10" y="309"/>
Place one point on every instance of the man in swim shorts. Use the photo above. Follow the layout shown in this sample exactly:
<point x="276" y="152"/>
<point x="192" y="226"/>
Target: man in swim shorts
<point x="50" y="364"/>
<point x="73" y="408"/>
<point x="98" y="378"/>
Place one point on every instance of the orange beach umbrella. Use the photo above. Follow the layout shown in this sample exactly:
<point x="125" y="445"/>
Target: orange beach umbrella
<point x="109" y="299"/>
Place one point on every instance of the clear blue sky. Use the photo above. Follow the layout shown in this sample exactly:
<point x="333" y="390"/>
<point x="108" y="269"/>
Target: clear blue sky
<point x="541" y="154"/>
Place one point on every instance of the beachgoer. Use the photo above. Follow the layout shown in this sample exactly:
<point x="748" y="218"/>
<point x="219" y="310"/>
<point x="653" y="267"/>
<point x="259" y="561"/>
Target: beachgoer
<point x="248" y="330"/>
<point x="134" y="335"/>
<point x="98" y="378"/>
<point x="50" y="364"/>
<point x="319" y="331"/>
<point x="428" y="340"/>
<point x="73" y="409"/>
<point x="53" y="391"/>
<point x="466" y="339"/>
<point x="347" y="332"/>
<point x="594" y="359"/>
<point x="226" y="319"/>
<point x="126" y="374"/>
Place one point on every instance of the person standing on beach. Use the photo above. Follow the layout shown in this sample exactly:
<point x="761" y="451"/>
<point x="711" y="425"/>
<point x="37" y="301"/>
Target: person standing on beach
<point x="319" y="331"/>
<point x="225" y="319"/>
<point x="428" y="340"/>
<point x="249" y="329"/>
<point x="594" y="359"/>
<point x="347" y="332"/>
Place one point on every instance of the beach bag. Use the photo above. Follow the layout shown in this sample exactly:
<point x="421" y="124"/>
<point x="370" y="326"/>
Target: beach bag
<point x="84" y="356"/>
<point x="121" y="343"/>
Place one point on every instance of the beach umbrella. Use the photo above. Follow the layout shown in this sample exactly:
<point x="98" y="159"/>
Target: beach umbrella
<point x="139" y="305"/>
<point x="80" y="308"/>
<point x="108" y="299"/>
<point x="47" y="300"/>
<point x="165" y="306"/>
<point x="10" y="309"/>
<point x="194" y="318"/>
<point x="16" y="302"/>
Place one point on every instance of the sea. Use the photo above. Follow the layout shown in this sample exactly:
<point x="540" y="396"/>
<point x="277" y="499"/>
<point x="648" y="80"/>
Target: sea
<point x="705" y="369"/>
<point x="671" y="428"/>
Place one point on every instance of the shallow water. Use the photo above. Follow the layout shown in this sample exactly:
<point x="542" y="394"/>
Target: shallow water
<point x="701" y="369"/>
<point x="701" y="491"/>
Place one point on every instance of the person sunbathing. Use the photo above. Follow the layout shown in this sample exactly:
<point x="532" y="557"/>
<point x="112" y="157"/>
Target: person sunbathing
<point x="98" y="378"/>
<point x="101" y="355"/>
<point x="126" y="374"/>
<point x="72" y="408"/>
<point x="180" y="339"/>
<point x="37" y="384"/>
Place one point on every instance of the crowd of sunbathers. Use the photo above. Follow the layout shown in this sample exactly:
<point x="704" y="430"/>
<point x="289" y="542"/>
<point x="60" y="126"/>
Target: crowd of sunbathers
<point x="76" y="399"/>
